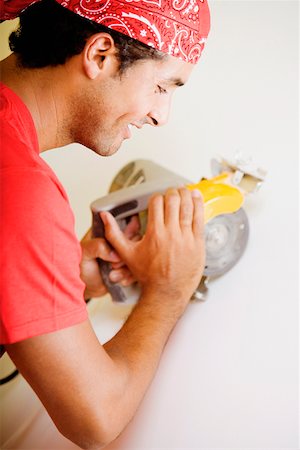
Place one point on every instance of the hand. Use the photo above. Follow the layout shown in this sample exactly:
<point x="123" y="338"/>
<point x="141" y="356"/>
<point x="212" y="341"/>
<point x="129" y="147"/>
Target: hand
<point x="168" y="261"/>
<point x="93" y="248"/>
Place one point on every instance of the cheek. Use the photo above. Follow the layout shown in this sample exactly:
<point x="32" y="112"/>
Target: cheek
<point x="136" y="101"/>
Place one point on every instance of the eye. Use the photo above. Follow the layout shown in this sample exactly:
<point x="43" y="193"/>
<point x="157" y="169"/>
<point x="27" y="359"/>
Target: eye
<point x="161" y="90"/>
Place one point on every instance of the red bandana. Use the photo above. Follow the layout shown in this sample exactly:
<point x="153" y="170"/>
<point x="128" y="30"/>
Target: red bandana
<point x="176" y="27"/>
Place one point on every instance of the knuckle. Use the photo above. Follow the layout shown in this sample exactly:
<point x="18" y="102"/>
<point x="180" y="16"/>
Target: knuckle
<point x="186" y="220"/>
<point x="102" y="245"/>
<point x="186" y="209"/>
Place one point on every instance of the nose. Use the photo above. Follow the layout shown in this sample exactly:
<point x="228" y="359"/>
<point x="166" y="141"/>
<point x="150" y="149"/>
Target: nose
<point x="160" y="111"/>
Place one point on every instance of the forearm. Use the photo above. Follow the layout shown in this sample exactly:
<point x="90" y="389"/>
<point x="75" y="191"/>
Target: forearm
<point x="136" y="351"/>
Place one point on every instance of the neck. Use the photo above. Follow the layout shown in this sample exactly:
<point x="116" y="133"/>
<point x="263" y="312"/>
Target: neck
<point x="45" y="95"/>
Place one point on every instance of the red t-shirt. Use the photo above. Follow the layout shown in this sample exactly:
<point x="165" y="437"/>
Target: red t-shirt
<point x="40" y="286"/>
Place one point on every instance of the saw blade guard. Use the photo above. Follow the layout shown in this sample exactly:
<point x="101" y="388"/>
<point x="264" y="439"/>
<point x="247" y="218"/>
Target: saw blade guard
<point x="226" y="229"/>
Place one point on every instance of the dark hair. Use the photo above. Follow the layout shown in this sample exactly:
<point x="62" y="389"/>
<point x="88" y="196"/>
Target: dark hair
<point x="49" y="34"/>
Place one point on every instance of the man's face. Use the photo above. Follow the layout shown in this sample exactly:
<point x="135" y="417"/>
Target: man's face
<point x="107" y="111"/>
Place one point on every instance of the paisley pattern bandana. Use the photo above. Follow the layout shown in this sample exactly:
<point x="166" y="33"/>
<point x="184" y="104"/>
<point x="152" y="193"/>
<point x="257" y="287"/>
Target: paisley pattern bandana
<point x="176" y="27"/>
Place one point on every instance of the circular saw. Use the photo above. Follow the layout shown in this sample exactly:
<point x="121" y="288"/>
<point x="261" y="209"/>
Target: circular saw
<point x="226" y="222"/>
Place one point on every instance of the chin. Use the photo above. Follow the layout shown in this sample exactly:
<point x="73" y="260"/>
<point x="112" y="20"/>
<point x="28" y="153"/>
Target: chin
<point x="99" y="150"/>
<point x="111" y="149"/>
<point x="104" y="151"/>
<point x="102" y="148"/>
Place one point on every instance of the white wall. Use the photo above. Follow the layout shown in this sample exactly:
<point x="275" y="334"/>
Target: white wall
<point x="229" y="375"/>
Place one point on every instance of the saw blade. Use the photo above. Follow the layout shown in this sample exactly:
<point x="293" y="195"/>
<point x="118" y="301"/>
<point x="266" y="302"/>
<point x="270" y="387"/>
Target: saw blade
<point x="226" y="238"/>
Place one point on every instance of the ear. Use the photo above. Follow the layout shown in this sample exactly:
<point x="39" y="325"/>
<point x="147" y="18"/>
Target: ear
<point x="99" y="55"/>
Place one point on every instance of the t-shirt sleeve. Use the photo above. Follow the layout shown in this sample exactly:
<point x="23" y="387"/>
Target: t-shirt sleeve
<point x="41" y="289"/>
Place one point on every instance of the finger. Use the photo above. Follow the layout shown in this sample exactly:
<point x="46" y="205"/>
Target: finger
<point x="119" y="275"/>
<point x="117" y="265"/>
<point x="186" y="209"/>
<point x="198" y="216"/>
<point x="115" y="275"/>
<point x="115" y="235"/>
<point x="133" y="227"/>
<point x="172" y="207"/>
<point x="98" y="248"/>
<point x="127" y="281"/>
<point x="156" y="211"/>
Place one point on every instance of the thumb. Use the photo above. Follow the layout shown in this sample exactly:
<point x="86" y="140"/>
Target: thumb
<point x="115" y="235"/>
<point x="98" y="248"/>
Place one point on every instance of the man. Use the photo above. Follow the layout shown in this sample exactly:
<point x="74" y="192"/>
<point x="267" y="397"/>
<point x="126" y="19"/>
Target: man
<point x="74" y="78"/>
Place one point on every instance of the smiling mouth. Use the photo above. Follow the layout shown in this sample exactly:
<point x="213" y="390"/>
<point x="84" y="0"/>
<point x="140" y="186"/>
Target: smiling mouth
<point x="129" y="128"/>
<point x="127" y="133"/>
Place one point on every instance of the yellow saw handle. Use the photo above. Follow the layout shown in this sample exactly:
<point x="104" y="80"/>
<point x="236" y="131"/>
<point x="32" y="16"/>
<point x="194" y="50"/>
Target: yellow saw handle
<point x="219" y="198"/>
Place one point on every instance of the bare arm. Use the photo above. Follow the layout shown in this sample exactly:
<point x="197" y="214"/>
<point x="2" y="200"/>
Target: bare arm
<point x="91" y="392"/>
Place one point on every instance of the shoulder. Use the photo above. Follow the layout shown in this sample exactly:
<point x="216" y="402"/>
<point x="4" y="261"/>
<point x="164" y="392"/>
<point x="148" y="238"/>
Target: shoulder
<point x="37" y="215"/>
<point x="32" y="190"/>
